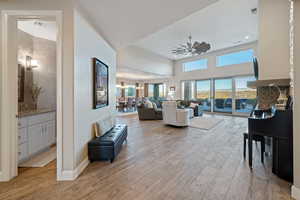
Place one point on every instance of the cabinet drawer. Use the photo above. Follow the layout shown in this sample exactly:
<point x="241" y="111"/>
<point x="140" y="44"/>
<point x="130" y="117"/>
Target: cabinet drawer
<point x="23" y="151"/>
<point x="36" y="119"/>
<point x="22" y="122"/>
<point x="22" y="135"/>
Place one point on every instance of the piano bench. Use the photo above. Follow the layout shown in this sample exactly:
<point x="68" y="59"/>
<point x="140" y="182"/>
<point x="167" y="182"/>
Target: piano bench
<point x="256" y="138"/>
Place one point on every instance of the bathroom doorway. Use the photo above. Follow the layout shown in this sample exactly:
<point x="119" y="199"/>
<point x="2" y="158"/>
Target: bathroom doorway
<point x="31" y="135"/>
<point x="36" y="56"/>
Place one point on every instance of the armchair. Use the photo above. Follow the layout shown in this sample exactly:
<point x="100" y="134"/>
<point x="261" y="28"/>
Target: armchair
<point x="174" y="116"/>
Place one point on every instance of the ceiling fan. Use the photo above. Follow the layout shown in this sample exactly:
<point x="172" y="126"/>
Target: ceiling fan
<point x="192" y="48"/>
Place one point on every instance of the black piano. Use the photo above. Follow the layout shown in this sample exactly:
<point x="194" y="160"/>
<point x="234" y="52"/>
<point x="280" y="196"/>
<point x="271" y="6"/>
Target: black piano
<point x="277" y="124"/>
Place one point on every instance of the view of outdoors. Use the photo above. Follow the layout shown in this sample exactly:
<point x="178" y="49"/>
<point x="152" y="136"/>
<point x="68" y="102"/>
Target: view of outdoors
<point x="235" y="58"/>
<point x="195" y="65"/>
<point x="151" y="90"/>
<point x="223" y="95"/>
<point x="130" y="91"/>
<point x="245" y="98"/>
<point x="203" y="94"/>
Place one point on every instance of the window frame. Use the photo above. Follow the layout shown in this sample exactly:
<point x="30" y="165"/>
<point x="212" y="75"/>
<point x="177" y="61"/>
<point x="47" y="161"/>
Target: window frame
<point x="234" y="52"/>
<point x="193" y="61"/>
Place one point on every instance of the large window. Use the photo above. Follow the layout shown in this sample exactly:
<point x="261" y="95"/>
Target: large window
<point x="157" y="90"/>
<point x="245" y="98"/>
<point x="130" y="91"/>
<point x="203" y="90"/>
<point x="162" y="90"/>
<point x="235" y="58"/>
<point x="188" y="90"/>
<point x="195" y="65"/>
<point x="223" y="95"/>
<point x="151" y="90"/>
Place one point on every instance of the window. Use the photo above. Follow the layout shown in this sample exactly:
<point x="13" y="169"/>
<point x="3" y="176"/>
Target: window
<point x="235" y="58"/>
<point x="130" y="91"/>
<point x="119" y="92"/>
<point x="245" y="98"/>
<point x="223" y="95"/>
<point x="203" y="94"/>
<point x="188" y="90"/>
<point x="151" y="90"/>
<point x="162" y="90"/>
<point x="195" y="65"/>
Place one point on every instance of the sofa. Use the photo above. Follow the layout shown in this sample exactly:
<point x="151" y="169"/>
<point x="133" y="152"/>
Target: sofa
<point x="186" y="104"/>
<point x="149" y="113"/>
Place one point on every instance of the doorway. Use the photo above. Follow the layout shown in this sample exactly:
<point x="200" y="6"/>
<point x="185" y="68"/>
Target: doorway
<point x="31" y="91"/>
<point x="36" y="57"/>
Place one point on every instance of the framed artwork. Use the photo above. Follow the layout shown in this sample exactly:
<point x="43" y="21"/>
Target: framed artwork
<point x="100" y="84"/>
<point x="172" y="89"/>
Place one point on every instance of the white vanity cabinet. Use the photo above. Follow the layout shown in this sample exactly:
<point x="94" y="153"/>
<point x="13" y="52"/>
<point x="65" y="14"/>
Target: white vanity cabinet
<point x="36" y="133"/>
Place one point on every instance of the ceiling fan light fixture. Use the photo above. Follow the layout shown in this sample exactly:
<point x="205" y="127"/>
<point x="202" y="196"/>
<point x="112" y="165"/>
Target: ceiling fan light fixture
<point x="191" y="48"/>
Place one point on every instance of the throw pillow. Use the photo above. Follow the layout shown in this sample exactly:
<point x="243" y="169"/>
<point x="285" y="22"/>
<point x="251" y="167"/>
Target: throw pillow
<point x="193" y="105"/>
<point x="154" y="106"/>
<point x="149" y="104"/>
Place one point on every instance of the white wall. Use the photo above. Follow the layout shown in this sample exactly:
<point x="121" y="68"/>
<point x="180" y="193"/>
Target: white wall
<point x="89" y="44"/>
<point x="142" y="60"/>
<point x="297" y="97"/>
<point x="212" y="71"/>
<point x="273" y="42"/>
<point x="68" y="59"/>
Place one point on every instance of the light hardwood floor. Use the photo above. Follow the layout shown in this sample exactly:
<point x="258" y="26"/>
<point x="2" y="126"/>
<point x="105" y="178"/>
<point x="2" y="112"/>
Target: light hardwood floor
<point x="162" y="163"/>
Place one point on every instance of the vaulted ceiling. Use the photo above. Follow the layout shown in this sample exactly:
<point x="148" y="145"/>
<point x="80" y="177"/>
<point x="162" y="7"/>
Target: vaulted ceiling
<point x="224" y="24"/>
<point x="158" y="26"/>
<point x="123" y="22"/>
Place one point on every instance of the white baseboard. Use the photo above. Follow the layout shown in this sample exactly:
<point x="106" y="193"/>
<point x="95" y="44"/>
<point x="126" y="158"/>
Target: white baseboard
<point x="295" y="192"/>
<point x="70" y="175"/>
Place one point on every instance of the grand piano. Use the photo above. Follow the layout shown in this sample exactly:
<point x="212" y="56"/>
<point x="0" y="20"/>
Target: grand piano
<point x="278" y="125"/>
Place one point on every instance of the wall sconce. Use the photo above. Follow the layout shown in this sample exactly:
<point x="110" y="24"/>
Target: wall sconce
<point x="31" y="63"/>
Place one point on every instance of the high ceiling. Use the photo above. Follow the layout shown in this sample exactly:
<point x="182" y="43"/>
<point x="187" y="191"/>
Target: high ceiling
<point x="158" y="26"/>
<point x="224" y="24"/>
<point x="124" y="22"/>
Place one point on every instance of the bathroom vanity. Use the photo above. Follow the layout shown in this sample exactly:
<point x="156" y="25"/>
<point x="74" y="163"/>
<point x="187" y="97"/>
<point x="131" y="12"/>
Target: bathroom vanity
<point x="36" y="132"/>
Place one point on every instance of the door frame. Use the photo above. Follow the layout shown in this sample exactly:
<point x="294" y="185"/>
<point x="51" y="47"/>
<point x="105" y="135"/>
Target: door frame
<point x="9" y="129"/>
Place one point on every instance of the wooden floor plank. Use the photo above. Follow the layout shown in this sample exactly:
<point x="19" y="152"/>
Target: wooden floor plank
<point x="162" y="163"/>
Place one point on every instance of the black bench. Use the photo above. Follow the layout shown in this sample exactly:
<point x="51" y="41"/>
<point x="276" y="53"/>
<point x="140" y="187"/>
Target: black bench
<point x="109" y="145"/>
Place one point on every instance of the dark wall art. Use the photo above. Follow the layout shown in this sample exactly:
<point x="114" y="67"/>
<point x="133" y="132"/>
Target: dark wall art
<point x="101" y="84"/>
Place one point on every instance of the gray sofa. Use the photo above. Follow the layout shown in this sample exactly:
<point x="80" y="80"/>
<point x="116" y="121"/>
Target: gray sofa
<point x="149" y="113"/>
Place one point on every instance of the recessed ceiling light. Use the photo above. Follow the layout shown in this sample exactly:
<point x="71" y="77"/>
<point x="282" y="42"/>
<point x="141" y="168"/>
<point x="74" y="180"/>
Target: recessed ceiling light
<point x="247" y="37"/>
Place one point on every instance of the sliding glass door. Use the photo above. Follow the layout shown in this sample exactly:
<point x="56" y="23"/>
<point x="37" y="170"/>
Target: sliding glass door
<point x="226" y="95"/>
<point x="223" y="95"/>
<point x="245" y="98"/>
<point x="203" y="90"/>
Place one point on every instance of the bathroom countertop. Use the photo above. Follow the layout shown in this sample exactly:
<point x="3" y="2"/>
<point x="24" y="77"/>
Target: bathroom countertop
<point x="34" y="112"/>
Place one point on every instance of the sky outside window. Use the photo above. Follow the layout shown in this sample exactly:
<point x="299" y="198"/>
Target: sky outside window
<point x="235" y="58"/>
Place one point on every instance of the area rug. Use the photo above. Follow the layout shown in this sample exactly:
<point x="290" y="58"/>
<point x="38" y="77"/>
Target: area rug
<point x="41" y="159"/>
<point x="205" y="123"/>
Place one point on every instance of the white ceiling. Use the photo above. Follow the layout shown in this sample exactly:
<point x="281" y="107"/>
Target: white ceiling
<point x="39" y="28"/>
<point x="124" y="22"/>
<point x="133" y="74"/>
<point x="223" y="24"/>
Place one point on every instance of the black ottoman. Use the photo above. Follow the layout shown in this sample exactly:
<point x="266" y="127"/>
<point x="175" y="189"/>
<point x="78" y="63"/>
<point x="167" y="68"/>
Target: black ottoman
<point x="109" y="145"/>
